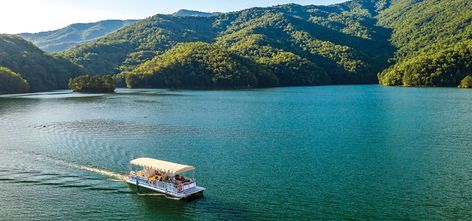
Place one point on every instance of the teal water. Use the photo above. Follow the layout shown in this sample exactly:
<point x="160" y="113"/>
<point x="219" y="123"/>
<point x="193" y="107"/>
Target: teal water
<point x="302" y="153"/>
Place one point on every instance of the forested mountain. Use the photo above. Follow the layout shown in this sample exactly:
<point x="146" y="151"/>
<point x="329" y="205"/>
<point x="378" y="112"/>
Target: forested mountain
<point x="394" y="42"/>
<point x="21" y="60"/>
<point x="72" y="35"/>
<point x="338" y="44"/>
<point x="426" y="41"/>
<point x="434" y="41"/>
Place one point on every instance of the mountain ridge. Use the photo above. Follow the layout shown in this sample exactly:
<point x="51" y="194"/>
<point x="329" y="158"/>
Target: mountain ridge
<point x="343" y="39"/>
<point x="72" y="35"/>
<point x="187" y="12"/>
<point x="62" y="39"/>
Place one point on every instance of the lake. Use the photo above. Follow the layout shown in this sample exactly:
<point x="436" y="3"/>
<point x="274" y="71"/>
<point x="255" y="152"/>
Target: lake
<point x="296" y="153"/>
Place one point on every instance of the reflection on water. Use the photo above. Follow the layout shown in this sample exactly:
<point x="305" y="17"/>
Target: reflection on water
<point x="337" y="152"/>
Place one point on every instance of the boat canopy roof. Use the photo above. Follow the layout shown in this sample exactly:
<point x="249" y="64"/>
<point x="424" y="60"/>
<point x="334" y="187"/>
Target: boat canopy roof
<point x="164" y="166"/>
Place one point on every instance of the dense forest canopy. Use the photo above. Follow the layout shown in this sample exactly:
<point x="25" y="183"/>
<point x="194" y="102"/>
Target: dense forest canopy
<point x="434" y="41"/>
<point x="443" y="67"/>
<point x="40" y="70"/>
<point x="75" y="34"/>
<point x="200" y="65"/>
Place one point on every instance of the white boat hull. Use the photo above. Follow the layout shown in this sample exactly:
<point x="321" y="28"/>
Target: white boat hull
<point x="188" y="192"/>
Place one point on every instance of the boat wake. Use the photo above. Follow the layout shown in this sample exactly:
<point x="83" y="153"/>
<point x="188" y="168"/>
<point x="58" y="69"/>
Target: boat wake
<point x="111" y="174"/>
<point x="50" y="171"/>
<point x="108" y="173"/>
<point x="66" y="180"/>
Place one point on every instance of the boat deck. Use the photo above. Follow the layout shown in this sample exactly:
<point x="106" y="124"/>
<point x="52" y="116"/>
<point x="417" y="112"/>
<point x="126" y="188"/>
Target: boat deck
<point x="167" y="189"/>
<point x="193" y="191"/>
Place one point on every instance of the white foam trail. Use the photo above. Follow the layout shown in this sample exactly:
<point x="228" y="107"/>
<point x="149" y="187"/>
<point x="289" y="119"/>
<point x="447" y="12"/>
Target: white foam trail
<point x="108" y="173"/>
<point x="117" y="176"/>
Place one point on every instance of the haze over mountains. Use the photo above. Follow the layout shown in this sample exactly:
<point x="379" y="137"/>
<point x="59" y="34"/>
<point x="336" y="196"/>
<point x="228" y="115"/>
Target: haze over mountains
<point x="394" y="42"/>
<point x="65" y="38"/>
<point x="75" y="34"/>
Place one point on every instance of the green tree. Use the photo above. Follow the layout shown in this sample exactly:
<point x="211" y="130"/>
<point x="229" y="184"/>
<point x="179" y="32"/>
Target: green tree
<point x="466" y="82"/>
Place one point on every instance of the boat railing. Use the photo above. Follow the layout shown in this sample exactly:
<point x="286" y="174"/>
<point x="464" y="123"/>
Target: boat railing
<point x="189" y="186"/>
<point x="168" y="186"/>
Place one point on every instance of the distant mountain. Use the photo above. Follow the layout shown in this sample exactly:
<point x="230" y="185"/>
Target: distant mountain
<point x="23" y="65"/>
<point x="72" y="35"/>
<point x="184" y="12"/>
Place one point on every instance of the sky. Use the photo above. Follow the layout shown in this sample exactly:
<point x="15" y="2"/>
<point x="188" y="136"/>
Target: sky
<point x="19" y="16"/>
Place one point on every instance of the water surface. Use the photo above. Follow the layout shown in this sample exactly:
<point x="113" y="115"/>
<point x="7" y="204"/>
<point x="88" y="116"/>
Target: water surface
<point x="302" y="153"/>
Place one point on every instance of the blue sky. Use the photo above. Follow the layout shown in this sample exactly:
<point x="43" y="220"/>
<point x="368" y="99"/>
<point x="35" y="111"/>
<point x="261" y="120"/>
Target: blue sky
<point x="33" y="15"/>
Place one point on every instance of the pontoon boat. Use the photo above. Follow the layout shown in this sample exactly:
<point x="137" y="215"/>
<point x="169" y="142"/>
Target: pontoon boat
<point x="164" y="177"/>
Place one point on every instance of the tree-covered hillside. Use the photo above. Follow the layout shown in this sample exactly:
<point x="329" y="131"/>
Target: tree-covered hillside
<point x="40" y="70"/>
<point x="200" y="65"/>
<point x="11" y="82"/>
<point x="434" y="41"/>
<point x="75" y="34"/>
<point x="340" y="43"/>
<point x="446" y="66"/>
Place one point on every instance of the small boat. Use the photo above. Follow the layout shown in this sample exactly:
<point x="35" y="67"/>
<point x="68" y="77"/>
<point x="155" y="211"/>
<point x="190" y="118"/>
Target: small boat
<point x="165" y="177"/>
